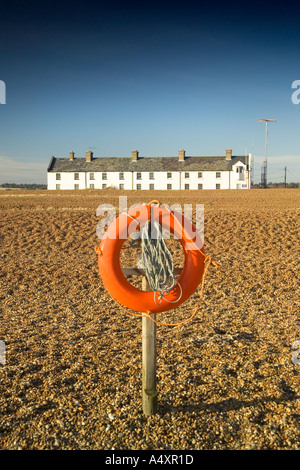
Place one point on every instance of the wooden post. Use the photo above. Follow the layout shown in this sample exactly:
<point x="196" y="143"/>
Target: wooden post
<point x="149" y="391"/>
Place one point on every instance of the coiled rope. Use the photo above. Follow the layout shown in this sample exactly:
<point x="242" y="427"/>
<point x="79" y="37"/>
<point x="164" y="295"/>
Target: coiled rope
<point x="157" y="262"/>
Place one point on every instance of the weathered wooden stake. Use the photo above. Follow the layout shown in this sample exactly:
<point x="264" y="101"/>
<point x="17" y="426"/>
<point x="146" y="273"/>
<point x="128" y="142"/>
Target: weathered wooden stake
<point x="148" y="362"/>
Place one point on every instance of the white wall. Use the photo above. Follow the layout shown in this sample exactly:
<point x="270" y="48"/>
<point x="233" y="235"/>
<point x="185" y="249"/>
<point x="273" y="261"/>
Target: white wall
<point x="51" y="181"/>
<point x="178" y="180"/>
<point x="67" y="181"/>
<point x="160" y="180"/>
<point x="239" y="180"/>
<point x="111" y="180"/>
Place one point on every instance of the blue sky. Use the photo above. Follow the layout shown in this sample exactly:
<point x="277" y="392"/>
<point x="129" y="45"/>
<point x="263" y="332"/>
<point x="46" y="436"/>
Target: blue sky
<point x="121" y="76"/>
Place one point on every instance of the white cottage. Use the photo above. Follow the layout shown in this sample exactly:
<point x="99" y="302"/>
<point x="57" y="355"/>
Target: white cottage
<point x="154" y="173"/>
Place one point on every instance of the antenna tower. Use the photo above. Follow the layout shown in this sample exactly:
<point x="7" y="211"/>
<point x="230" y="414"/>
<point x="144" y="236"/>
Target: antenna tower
<point x="264" y="165"/>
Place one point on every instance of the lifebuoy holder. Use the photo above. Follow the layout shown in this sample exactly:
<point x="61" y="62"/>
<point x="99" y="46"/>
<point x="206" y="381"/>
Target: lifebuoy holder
<point x="120" y="289"/>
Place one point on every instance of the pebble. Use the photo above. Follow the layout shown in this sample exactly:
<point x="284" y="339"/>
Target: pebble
<point x="72" y="377"/>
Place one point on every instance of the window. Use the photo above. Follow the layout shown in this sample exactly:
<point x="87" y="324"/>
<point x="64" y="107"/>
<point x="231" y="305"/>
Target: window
<point x="92" y="186"/>
<point x="139" y="176"/>
<point x="200" y="174"/>
<point x="239" y="169"/>
<point x="121" y="177"/>
<point x="169" y="175"/>
<point x="218" y="174"/>
<point x="76" y="186"/>
<point x="104" y="186"/>
<point x="218" y="186"/>
<point x="186" y="174"/>
<point x="104" y="176"/>
<point x="200" y="186"/>
<point x="58" y="186"/>
<point x="121" y="186"/>
<point x="151" y="175"/>
<point x="58" y="176"/>
<point x="92" y="176"/>
<point x="76" y="176"/>
<point x="138" y="186"/>
<point x="186" y="186"/>
<point x="169" y="186"/>
<point x="151" y="186"/>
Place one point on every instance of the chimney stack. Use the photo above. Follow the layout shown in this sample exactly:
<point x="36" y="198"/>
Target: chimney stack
<point x="71" y="155"/>
<point x="135" y="155"/>
<point x="181" y="155"/>
<point x="228" y="154"/>
<point x="88" y="156"/>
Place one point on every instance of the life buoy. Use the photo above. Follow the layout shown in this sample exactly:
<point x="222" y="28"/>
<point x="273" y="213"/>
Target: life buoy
<point x="110" y="269"/>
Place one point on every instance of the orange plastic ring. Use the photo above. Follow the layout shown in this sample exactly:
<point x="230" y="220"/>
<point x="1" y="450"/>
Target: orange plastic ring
<point x="109" y="258"/>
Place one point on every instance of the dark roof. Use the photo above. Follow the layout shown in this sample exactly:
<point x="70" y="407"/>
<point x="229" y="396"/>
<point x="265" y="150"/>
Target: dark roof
<point x="143" y="164"/>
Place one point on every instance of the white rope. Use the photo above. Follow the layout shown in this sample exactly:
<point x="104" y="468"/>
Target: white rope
<point x="157" y="262"/>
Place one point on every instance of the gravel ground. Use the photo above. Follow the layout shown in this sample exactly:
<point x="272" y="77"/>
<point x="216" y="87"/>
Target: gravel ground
<point x="71" y="375"/>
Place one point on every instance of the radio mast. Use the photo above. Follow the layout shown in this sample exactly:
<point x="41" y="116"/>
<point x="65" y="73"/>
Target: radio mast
<point x="264" y="166"/>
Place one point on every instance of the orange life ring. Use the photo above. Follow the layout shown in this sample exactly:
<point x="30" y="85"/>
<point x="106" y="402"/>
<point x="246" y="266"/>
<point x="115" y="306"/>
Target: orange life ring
<point x="109" y="258"/>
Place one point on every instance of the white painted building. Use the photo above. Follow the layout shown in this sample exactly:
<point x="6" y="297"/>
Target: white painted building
<point x="154" y="173"/>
